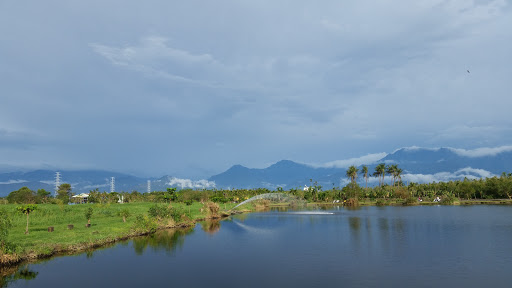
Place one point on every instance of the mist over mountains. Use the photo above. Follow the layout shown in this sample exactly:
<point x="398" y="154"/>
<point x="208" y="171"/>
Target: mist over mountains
<point x="419" y="165"/>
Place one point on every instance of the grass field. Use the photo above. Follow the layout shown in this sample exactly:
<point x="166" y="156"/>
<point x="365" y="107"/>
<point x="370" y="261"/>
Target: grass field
<point x="106" y="225"/>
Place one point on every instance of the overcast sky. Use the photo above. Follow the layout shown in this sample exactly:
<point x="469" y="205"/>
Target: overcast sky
<point x="190" y="88"/>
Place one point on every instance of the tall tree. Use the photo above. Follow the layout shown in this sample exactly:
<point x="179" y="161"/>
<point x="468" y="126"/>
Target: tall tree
<point x="364" y="171"/>
<point x="352" y="173"/>
<point x="26" y="209"/>
<point x="43" y="195"/>
<point x="64" y="192"/>
<point x="380" y="172"/>
<point x="398" y="175"/>
<point x="22" y="195"/>
<point x="390" y="169"/>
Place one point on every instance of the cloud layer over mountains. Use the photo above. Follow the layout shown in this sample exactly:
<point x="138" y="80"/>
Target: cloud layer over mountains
<point x="190" y="88"/>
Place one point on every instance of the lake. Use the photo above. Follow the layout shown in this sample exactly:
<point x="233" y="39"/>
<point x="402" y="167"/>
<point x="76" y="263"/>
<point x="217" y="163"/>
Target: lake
<point x="419" y="246"/>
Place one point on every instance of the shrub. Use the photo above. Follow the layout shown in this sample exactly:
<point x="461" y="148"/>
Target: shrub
<point x="212" y="209"/>
<point x="161" y="212"/>
<point x="26" y="209"/>
<point x="410" y="201"/>
<point x="447" y="200"/>
<point x="158" y="211"/>
<point x="88" y="214"/>
<point x="125" y="213"/>
<point x="261" y="204"/>
<point x="5" y="224"/>
<point x="381" y="202"/>
<point x="354" y="202"/>
<point x="143" y="224"/>
<point x="401" y="193"/>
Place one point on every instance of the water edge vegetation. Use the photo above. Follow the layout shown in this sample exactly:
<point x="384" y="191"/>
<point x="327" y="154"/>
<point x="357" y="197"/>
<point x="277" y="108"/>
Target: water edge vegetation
<point x="56" y="227"/>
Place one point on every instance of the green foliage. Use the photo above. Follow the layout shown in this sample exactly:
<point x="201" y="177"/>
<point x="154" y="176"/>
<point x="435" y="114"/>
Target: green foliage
<point x="143" y="224"/>
<point x="26" y="209"/>
<point x="22" y="195"/>
<point x="352" y="173"/>
<point x="448" y="199"/>
<point x="125" y="213"/>
<point x="64" y="192"/>
<point x="171" y="195"/>
<point x="158" y="211"/>
<point x="410" y="201"/>
<point x="381" y="202"/>
<point x="88" y="213"/>
<point x="5" y="225"/>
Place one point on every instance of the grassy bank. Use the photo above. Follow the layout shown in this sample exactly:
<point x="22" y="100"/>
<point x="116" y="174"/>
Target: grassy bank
<point x="107" y="226"/>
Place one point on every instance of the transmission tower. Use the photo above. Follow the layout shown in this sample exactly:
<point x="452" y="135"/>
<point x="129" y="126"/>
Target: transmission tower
<point x="149" y="186"/>
<point x="112" y="184"/>
<point x="57" y="182"/>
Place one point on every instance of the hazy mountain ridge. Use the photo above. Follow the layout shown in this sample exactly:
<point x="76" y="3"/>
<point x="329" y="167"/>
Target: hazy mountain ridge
<point x="419" y="165"/>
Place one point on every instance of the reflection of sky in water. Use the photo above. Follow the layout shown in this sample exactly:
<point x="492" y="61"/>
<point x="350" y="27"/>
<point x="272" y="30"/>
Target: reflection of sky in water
<point x="372" y="246"/>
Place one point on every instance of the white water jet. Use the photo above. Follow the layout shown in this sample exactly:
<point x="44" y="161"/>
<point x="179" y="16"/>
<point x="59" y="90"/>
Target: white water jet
<point x="269" y="196"/>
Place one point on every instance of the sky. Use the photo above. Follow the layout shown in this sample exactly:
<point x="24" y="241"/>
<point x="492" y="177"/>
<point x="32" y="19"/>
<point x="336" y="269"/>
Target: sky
<point x="190" y="88"/>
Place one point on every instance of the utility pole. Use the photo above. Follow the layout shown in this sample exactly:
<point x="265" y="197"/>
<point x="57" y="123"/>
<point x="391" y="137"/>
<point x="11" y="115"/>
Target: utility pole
<point x="57" y="182"/>
<point x="112" y="184"/>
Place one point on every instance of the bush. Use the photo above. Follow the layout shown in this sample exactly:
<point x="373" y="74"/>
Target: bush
<point x="401" y="193"/>
<point x="381" y="202"/>
<point x="158" y="211"/>
<point x="212" y="209"/>
<point x="447" y="200"/>
<point x="354" y="202"/>
<point x="125" y="213"/>
<point x="143" y="224"/>
<point x="5" y="224"/>
<point x="410" y="201"/>
<point x="161" y="212"/>
<point x="88" y="214"/>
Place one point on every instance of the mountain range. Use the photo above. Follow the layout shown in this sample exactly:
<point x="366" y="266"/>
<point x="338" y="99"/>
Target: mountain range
<point x="419" y="165"/>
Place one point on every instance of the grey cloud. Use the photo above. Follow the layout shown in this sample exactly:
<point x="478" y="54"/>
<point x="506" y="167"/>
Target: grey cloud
<point x="152" y="87"/>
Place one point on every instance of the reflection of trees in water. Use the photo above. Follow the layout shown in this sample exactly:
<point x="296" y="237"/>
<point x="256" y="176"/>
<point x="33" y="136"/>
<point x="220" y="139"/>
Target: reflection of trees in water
<point x="211" y="226"/>
<point x="167" y="240"/>
<point x="12" y="274"/>
<point x="355" y="223"/>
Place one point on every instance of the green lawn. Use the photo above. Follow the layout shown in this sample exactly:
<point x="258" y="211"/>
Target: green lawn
<point x="106" y="225"/>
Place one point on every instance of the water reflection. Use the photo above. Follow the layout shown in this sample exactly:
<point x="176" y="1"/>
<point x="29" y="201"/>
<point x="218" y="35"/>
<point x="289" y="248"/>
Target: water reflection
<point x="362" y="247"/>
<point x="12" y="274"/>
<point x="211" y="226"/>
<point x="167" y="240"/>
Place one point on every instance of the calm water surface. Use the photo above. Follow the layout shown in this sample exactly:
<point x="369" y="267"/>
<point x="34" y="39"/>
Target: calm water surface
<point x="439" y="246"/>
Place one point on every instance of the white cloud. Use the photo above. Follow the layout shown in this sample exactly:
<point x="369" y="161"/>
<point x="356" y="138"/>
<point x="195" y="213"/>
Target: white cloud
<point x="95" y="186"/>
<point x="187" y="183"/>
<point x="482" y="152"/>
<point x="349" y="75"/>
<point x="363" y="160"/>
<point x="14" y="182"/>
<point x="468" y="172"/>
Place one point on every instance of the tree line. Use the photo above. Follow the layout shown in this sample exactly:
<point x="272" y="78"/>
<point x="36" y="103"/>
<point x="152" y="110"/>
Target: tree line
<point x="498" y="187"/>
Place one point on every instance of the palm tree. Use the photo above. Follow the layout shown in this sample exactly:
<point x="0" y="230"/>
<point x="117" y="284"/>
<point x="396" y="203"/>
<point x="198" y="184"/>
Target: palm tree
<point x="352" y="173"/>
<point x="380" y="171"/>
<point x="391" y="170"/>
<point x="364" y="171"/>
<point x="398" y="174"/>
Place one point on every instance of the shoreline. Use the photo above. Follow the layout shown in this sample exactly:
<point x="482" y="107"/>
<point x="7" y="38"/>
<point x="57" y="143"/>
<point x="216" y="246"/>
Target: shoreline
<point x="11" y="260"/>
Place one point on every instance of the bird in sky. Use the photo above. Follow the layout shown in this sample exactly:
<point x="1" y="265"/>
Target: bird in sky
<point x="467" y="70"/>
